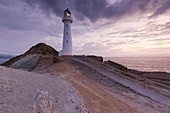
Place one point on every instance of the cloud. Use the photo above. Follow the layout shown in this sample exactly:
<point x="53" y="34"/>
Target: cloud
<point x="167" y="25"/>
<point x="24" y="27"/>
<point x="95" y="49"/>
<point x="48" y="6"/>
<point x="116" y="43"/>
<point x="96" y="9"/>
<point x="17" y="16"/>
<point x="162" y="9"/>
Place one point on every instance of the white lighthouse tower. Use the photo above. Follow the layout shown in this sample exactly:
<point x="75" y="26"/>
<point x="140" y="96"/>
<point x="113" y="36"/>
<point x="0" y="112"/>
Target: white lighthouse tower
<point x="67" y="39"/>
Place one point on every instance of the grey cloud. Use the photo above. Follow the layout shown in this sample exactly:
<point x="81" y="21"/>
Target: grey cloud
<point x="106" y="41"/>
<point x="96" y="9"/>
<point x="116" y="43"/>
<point x="167" y="25"/>
<point x="55" y="6"/>
<point x="159" y="27"/>
<point x="54" y="34"/>
<point x="13" y="17"/>
<point x="164" y="7"/>
<point x="112" y="33"/>
<point x="154" y="29"/>
<point x="18" y="16"/>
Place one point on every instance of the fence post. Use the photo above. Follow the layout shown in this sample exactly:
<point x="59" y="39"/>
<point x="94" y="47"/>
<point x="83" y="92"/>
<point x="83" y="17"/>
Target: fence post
<point x="145" y="82"/>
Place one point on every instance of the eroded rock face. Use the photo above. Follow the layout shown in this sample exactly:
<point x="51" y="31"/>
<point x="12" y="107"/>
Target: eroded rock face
<point x="44" y="103"/>
<point x="27" y="63"/>
<point x="39" y="49"/>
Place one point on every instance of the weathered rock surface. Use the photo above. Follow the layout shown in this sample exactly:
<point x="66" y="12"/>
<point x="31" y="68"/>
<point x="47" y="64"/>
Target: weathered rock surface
<point x="18" y="93"/>
<point x="44" y="103"/>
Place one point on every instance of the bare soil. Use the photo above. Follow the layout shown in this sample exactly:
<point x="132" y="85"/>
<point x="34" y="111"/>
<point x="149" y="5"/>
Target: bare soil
<point x="96" y="99"/>
<point x="101" y="94"/>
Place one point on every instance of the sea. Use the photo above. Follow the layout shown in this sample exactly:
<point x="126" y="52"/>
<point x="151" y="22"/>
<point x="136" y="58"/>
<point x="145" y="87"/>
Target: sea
<point x="149" y="64"/>
<point x="3" y="60"/>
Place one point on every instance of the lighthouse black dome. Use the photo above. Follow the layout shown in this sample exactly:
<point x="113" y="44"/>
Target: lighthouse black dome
<point x="67" y="11"/>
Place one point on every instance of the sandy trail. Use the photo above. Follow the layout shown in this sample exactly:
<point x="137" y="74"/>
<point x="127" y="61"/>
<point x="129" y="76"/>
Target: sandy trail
<point x="100" y="93"/>
<point x="96" y="99"/>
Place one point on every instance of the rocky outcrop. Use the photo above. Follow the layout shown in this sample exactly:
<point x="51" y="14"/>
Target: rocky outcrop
<point x="115" y="65"/>
<point x="96" y="58"/>
<point x="29" y="59"/>
<point x="44" y="103"/>
<point x="27" y="63"/>
<point x="93" y="57"/>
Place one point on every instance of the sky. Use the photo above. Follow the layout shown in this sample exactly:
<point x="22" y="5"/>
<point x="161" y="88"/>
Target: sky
<point x="110" y="28"/>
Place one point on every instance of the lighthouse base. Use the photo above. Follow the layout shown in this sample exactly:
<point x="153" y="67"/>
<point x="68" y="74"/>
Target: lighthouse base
<point x="61" y="53"/>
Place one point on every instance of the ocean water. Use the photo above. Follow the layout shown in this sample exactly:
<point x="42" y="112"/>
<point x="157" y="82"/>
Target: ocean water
<point x="3" y="60"/>
<point x="149" y="64"/>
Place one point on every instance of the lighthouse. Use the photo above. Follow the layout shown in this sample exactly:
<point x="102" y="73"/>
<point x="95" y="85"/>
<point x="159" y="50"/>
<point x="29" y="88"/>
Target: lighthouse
<point x="67" y="39"/>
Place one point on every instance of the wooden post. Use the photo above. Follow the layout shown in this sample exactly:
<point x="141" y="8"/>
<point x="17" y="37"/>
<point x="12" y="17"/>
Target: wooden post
<point x="145" y="82"/>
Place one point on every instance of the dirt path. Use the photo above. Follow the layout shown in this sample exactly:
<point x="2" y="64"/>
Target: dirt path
<point x="96" y="99"/>
<point x="101" y="94"/>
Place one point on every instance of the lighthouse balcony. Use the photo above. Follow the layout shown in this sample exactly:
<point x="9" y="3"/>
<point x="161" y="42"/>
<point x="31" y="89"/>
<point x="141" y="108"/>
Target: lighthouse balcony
<point x="67" y="19"/>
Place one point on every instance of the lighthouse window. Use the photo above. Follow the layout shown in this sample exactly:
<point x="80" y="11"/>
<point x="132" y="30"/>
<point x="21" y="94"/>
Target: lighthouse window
<point x="67" y="41"/>
<point x="67" y="25"/>
<point x="67" y="33"/>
